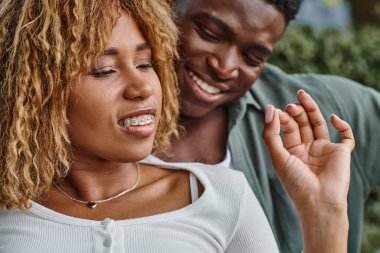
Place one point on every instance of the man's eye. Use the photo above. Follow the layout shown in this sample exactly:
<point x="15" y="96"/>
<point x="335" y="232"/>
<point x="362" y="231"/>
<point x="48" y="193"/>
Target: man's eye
<point x="206" y="34"/>
<point x="102" y="73"/>
<point x="251" y="61"/>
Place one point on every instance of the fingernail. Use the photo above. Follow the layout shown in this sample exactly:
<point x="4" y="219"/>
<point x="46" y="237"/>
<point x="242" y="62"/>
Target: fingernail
<point x="300" y="91"/>
<point x="269" y="109"/>
<point x="290" y="106"/>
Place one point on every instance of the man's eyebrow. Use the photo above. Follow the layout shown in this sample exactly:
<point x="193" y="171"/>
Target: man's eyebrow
<point x="218" y="22"/>
<point x="226" y="29"/>
<point x="262" y="49"/>
<point x="115" y="51"/>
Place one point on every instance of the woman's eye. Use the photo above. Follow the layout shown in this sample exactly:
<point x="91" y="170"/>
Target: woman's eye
<point x="101" y="73"/>
<point x="145" y="66"/>
<point x="206" y="34"/>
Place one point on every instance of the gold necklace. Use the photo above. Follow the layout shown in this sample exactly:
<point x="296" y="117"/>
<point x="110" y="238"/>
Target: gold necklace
<point x="92" y="204"/>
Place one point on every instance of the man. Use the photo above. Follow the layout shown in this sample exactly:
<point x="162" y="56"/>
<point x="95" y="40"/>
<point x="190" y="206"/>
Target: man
<point x="224" y="50"/>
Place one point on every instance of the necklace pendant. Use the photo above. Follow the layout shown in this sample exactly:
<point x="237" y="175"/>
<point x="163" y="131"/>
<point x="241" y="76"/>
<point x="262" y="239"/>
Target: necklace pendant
<point x="94" y="203"/>
<point x="91" y="205"/>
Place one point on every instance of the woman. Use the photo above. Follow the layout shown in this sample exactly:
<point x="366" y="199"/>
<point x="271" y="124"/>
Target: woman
<point x="88" y="90"/>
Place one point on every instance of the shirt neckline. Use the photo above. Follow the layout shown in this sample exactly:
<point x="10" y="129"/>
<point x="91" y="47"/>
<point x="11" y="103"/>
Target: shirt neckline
<point x="226" y="162"/>
<point x="51" y="215"/>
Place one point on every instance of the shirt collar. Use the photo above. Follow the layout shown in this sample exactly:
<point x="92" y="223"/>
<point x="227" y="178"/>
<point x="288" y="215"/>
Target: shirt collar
<point x="238" y="108"/>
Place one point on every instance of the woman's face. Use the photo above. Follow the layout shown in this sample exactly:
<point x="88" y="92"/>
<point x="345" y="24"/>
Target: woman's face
<point x="115" y="107"/>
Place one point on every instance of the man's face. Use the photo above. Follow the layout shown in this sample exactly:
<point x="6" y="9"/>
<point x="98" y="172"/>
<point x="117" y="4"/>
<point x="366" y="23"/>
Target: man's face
<point x="224" y="47"/>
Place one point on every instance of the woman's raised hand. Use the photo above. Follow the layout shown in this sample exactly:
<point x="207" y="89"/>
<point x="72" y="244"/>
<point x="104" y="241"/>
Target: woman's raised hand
<point x="314" y="171"/>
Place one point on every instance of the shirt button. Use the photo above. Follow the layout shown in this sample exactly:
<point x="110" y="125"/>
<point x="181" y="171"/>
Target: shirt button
<point x="107" y="242"/>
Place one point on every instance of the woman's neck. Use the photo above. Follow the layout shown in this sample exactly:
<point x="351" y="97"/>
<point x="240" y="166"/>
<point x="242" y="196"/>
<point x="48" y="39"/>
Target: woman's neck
<point x="94" y="181"/>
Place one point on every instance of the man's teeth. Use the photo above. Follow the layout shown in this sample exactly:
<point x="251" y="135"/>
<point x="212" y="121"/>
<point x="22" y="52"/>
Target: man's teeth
<point x="138" y="121"/>
<point x="206" y="87"/>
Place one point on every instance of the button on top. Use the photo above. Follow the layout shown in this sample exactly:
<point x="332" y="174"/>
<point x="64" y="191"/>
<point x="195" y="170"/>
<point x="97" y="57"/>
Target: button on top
<point x="107" y="242"/>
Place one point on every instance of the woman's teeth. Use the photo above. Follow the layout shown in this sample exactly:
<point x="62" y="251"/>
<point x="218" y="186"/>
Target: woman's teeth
<point x="138" y="121"/>
<point x="203" y="85"/>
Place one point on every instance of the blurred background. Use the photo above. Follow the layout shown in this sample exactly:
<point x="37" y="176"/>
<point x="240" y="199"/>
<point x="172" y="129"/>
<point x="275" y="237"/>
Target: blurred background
<point x="340" y="37"/>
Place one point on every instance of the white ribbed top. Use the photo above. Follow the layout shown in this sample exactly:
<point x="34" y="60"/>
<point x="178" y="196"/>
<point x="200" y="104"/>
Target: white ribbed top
<point x="226" y="218"/>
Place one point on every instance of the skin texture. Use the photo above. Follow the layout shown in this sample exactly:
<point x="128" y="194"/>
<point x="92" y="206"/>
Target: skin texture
<point x="217" y="47"/>
<point x="121" y="83"/>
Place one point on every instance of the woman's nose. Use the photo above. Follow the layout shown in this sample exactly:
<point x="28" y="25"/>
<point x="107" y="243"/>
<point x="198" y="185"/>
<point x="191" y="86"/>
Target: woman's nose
<point x="137" y="87"/>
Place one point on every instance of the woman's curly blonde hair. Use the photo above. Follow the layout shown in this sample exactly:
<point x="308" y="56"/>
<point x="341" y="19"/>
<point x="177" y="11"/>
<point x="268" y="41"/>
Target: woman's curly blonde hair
<point x="44" y="45"/>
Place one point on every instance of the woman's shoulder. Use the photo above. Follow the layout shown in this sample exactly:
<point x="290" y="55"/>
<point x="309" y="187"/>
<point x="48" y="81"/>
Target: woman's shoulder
<point x="18" y="221"/>
<point x="218" y="181"/>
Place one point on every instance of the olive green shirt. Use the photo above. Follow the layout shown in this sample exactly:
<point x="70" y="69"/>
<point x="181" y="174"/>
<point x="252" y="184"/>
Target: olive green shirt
<point x="358" y="105"/>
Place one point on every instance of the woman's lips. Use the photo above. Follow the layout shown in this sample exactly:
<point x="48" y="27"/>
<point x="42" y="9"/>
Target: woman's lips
<point x="141" y="120"/>
<point x="142" y="125"/>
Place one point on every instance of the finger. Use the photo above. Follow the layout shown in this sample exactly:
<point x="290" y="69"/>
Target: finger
<point x="345" y="131"/>
<point x="291" y="133"/>
<point x="299" y="115"/>
<point x="272" y="138"/>
<point x="314" y="114"/>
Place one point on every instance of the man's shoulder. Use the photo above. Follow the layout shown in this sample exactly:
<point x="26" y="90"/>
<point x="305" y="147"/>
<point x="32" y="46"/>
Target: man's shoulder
<point x="275" y="78"/>
<point x="277" y="87"/>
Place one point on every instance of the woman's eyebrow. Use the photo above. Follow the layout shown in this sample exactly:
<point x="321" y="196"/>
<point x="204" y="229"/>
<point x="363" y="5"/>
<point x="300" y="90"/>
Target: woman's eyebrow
<point x="110" y="51"/>
<point x="142" y="46"/>
<point x="115" y="51"/>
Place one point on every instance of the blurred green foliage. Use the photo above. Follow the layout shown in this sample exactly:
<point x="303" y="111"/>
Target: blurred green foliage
<point x="352" y="53"/>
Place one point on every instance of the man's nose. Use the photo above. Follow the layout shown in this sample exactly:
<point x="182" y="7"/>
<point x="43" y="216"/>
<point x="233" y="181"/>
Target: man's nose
<point x="225" y="63"/>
